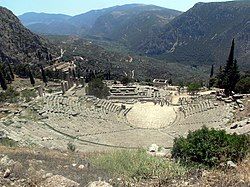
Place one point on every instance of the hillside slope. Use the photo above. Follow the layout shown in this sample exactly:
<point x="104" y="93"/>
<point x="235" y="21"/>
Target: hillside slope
<point x="18" y="44"/>
<point x="98" y="58"/>
<point x="203" y="34"/>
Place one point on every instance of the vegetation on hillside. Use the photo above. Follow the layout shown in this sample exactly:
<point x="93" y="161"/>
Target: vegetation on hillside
<point x="18" y="44"/>
<point x="100" y="58"/>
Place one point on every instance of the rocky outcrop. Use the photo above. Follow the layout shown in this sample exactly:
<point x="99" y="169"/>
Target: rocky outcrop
<point x="58" y="180"/>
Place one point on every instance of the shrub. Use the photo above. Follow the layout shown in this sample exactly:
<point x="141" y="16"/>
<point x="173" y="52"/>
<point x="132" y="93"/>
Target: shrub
<point x="8" y="142"/>
<point x="210" y="147"/>
<point x="28" y="94"/>
<point x="10" y="95"/>
<point x="71" y="147"/>
<point x="138" y="165"/>
<point x="126" y="80"/>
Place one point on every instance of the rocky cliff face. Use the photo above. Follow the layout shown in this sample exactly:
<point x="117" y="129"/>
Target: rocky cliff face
<point x="18" y="44"/>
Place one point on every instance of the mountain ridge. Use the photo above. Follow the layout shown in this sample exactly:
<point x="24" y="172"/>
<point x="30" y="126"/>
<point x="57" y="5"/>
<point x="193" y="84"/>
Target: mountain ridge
<point x="203" y="34"/>
<point x="81" y="24"/>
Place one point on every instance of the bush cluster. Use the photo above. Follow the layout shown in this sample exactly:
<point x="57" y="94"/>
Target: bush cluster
<point x="8" y="142"/>
<point x="28" y="94"/>
<point x="10" y="95"/>
<point x="71" y="147"/>
<point x="210" y="147"/>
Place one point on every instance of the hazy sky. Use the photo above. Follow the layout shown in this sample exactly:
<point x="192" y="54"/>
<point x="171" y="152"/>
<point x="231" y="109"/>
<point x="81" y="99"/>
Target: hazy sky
<point x="73" y="7"/>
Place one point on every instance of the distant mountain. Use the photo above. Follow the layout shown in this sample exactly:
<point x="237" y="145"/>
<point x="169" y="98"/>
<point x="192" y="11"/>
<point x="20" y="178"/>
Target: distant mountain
<point x="43" y="23"/>
<point x="203" y="35"/>
<point x="131" y="26"/>
<point x="94" y="22"/>
<point x="18" y="44"/>
<point x="34" y="18"/>
<point x="88" y="19"/>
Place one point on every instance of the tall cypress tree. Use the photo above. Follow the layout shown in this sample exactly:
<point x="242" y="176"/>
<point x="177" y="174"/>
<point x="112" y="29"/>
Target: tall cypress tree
<point x="11" y="72"/>
<point x="32" y="80"/>
<point x="230" y="60"/>
<point x="231" y="73"/>
<point x="212" y="71"/>
<point x="212" y="80"/>
<point x="235" y="77"/>
<point x="74" y="73"/>
<point x="2" y="81"/>
<point x="45" y="80"/>
<point x="8" y="78"/>
<point x="220" y="78"/>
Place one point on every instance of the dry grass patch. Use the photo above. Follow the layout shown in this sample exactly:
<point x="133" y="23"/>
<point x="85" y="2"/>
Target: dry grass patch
<point x="138" y="165"/>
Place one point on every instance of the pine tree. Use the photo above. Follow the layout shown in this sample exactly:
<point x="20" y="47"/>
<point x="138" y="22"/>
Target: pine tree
<point x="32" y="80"/>
<point x="2" y="81"/>
<point x="45" y="80"/>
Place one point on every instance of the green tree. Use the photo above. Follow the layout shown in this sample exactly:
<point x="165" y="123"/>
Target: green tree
<point x="193" y="88"/>
<point x="219" y="78"/>
<point x="231" y="73"/>
<point x="8" y="77"/>
<point x="126" y="80"/>
<point x="11" y="72"/>
<point x="243" y="85"/>
<point x="32" y="80"/>
<point x="212" y="71"/>
<point x="97" y="88"/>
<point x="212" y="80"/>
<point x="2" y="81"/>
<point x="170" y="81"/>
<point x="45" y="80"/>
